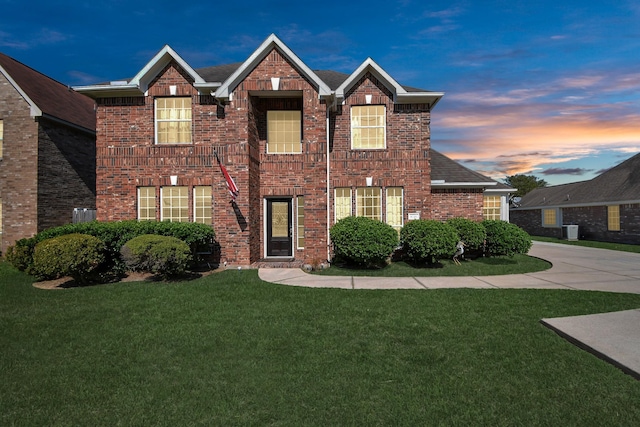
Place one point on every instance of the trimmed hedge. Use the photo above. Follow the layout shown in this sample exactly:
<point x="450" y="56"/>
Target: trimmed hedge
<point x="363" y="241"/>
<point x="504" y="238"/>
<point x="75" y="255"/>
<point x="163" y="255"/>
<point x="114" y="235"/>
<point x="426" y="240"/>
<point x="472" y="233"/>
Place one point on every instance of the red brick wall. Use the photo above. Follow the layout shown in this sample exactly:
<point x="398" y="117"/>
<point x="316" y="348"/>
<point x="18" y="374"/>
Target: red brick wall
<point x="405" y="161"/>
<point x="66" y="173"/>
<point x="18" y="167"/>
<point x="127" y="156"/>
<point x="456" y="203"/>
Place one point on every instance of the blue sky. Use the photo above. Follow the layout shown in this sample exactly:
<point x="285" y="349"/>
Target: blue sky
<point x="550" y="88"/>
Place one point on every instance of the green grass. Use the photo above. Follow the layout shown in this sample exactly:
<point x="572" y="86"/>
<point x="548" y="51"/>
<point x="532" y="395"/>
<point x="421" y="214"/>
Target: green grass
<point x="489" y="266"/>
<point x="229" y="349"/>
<point x="590" y="244"/>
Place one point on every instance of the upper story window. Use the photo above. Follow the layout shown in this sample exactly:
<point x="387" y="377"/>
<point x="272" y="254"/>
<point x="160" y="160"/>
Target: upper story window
<point x="368" y="127"/>
<point x="173" y="120"/>
<point x="284" y="133"/>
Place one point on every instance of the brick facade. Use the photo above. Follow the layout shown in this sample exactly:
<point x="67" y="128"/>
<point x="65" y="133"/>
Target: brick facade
<point x="591" y="220"/>
<point x="46" y="170"/>
<point x="236" y="129"/>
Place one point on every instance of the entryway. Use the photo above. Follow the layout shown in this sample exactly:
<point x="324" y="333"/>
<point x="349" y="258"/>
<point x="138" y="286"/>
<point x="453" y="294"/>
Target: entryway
<point x="279" y="228"/>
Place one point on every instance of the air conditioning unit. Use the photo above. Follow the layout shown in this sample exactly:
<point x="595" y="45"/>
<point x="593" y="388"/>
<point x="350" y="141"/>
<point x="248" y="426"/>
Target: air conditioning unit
<point x="570" y="232"/>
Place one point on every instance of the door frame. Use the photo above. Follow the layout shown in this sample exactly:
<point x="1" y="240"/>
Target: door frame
<point x="265" y="221"/>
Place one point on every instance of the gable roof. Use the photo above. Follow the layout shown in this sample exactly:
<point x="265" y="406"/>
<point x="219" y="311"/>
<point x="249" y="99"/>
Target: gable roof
<point x="400" y="93"/>
<point x="618" y="185"/>
<point x="447" y="173"/>
<point x="221" y="80"/>
<point x="272" y="42"/>
<point x="47" y="97"/>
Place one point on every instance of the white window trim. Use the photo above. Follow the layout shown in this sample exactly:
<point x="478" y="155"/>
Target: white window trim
<point x="558" y="218"/>
<point x="386" y="202"/>
<point x="195" y="201"/>
<point x="156" y="120"/>
<point x="380" y="201"/>
<point x="384" y="127"/>
<point x="297" y="227"/>
<point x="335" y="211"/>
<point x="284" y="152"/>
<point x="140" y="207"/>
<point x="162" y="203"/>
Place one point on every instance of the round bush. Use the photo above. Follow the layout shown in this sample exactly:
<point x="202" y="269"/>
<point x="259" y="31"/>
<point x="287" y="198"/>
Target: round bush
<point x="162" y="255"/>
<point x="427" y="240"/>
<point x="363" y="241"/>
<point x="504" y="238"/>
<point x="75" y="255"/>
<point x="472" y="233"/>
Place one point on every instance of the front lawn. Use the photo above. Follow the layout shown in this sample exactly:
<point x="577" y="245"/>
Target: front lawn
<point x="229" y="349"/>
<point x="489" y="266"/>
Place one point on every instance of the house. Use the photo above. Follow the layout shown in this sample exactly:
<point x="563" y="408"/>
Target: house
<point x="605" y="208"/>
<point x="47" y="152"/>
<point x="305" y="148"/>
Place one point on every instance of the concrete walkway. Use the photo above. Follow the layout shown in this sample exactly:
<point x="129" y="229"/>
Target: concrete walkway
<point x="614" y="337"/>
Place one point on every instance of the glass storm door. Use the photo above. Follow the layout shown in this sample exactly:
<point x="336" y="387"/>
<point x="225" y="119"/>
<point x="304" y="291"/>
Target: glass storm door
<point x="279" y="228"/>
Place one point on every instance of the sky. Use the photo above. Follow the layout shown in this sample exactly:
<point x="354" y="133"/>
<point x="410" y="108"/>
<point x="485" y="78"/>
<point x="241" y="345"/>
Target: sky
<point x="544" y="88"/>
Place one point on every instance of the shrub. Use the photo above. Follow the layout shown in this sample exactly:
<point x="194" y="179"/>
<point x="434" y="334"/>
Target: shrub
<point x="162" y="255"/>
<point x="472" y="233"/>
<point x="428" y="240"/>
<point x="363" y="241"/>
<point x="504" y="238"/>
<point x="75" y="255"/>
<point x="114" y="235"/>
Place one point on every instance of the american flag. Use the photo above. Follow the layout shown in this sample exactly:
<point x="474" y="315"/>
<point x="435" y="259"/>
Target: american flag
<point x="231" y="185"/>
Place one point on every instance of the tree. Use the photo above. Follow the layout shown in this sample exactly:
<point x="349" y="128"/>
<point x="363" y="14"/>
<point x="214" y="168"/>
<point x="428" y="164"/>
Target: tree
<point x="524" y="183"/>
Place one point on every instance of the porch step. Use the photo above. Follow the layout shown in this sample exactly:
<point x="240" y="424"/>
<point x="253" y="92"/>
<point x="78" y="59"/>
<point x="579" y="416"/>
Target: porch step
<point x="277" y="263"/>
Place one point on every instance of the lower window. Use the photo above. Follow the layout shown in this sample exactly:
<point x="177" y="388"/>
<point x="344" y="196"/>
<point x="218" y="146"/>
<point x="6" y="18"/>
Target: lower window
<point x="491" y="207"/>
<point x="174" y="204"/>
<point x="369" y="202"/>
<point x="550" y="218"/>
<point x="613" y="218"/>
<point x="146" y="203"/>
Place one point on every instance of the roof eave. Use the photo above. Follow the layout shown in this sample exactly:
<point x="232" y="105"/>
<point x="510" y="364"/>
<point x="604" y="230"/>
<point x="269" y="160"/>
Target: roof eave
<point x="430" y="98"/>
<point x="34" y="110"/>
<point x="107" y="91"/>
<point x="157" y="63"/>
<point x="579" y="205"/>
<point x="435" y="184"/>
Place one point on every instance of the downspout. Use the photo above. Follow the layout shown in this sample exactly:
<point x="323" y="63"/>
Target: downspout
<point x="328" y="184"/>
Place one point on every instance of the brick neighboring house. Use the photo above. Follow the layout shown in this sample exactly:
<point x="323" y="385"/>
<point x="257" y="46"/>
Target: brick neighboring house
<point x="304" y="147"/>
<point x="47" y="152"/>
<point x="605" y="208"/>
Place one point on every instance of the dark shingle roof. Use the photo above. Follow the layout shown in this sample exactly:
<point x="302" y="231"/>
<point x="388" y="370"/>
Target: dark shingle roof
<point x="53" y="98"/>
<point x="444" y="168"/>
<point x="618" y="184"/>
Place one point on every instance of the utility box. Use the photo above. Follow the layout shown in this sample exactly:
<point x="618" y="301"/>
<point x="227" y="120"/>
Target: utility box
<point x="570" y="232"/>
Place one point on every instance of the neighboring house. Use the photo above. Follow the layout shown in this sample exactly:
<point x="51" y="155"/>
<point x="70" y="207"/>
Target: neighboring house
<point x="47" y="152"/>
<point x="605" y="208"/>
<point x="305" y="148"/>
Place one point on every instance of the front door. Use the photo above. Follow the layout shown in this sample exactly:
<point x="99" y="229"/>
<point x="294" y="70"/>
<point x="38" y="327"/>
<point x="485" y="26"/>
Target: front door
<point x="279" y="228"/>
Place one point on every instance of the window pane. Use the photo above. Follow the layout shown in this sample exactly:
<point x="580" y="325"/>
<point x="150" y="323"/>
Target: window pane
<point x="300" y="222"/>
<point x="394" y="214"/>
<point x="613" y="218"/>
<point x="368" y="202"/>
<point x="175" y="204"/>
<point x="173" y="120"/>
<point x="549" y="217"/>
<point x="368" y="126"/>
<point x="202" y="205"/>
<point x="491" y="207"/>
<point x="146" y="203"/>
<point x="342" y="203"/>
<point x="284" y="133"/>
